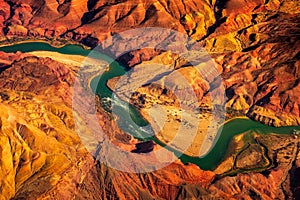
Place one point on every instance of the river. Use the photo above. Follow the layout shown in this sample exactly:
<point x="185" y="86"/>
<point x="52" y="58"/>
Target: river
<point x="209" y="162"/>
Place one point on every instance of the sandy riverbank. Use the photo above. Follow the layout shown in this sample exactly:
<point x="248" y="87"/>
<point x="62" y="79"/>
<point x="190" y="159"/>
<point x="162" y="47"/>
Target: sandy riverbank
<point x="92" y="66"/>
<point x="56" y="44"/>
<point x="192" y="135"/>
<point x="75" y="60"/>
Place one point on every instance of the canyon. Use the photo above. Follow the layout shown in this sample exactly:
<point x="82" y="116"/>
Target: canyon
<point x="254" y="45"/>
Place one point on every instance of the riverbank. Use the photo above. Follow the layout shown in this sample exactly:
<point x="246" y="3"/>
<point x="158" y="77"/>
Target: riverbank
<point x="209" y="161"/>
<point x="53" y="43"/>
<point x="75" y="60"/>
<point x="234" y="118"/>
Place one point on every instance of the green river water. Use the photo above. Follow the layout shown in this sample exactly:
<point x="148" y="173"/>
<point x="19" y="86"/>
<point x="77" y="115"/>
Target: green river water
<point x="98" y="85"/>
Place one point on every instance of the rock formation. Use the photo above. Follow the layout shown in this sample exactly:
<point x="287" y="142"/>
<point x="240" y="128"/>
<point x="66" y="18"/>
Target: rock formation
<point x="254" y="45"/>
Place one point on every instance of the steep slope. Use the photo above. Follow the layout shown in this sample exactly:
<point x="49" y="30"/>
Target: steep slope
<point x="40" y="144"/>
<point x="257" y="52"/>
<point x="247" y="36"/>
<point x="42" y="155"/>
<point x="254" y="44"/>
<point x="91" y="21"/>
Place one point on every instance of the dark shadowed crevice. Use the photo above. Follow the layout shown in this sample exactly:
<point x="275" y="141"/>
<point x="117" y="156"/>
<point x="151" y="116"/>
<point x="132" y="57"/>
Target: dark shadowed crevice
<point x="219" y="7"/>
<point x="64" y="8"/>
<point x="91" y="4"/>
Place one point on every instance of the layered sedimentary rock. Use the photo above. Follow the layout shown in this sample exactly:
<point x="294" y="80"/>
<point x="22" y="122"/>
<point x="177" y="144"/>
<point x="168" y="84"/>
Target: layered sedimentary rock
<point x="257" y="53"/>
<point x="267" y="87"/>
<point x="255" y="38"/>
<point x="281" y="160"/>
<point x="255" y="46"/>
<point x="91" y="21"/>
<point x="40" y="146"/>
<point x="48" y="152"/>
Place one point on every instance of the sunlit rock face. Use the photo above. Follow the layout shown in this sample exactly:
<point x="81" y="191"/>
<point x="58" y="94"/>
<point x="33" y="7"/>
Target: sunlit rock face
<point x="254" y="44"/>
<point x="38" y="143"/>
<point x="92" y="21"/>
<point x="42" y="154"/>
<point x="223" y="25"/>
<point x="263" y="83"/>
<point x="249" y="47"/>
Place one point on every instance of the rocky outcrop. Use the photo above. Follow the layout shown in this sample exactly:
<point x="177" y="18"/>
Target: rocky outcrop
<point x="24" y="76"/>
<point x="4" y="15"/>
<point x="265" y="89"/>
<point x="9" y="58"/>
<point x="269" y="183"/>
<point x="38" y="146"/>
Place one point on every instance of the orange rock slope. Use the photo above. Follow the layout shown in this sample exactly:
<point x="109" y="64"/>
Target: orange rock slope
<point x="254" y="43"/>
<point x="43" y="157"/>
<point x="252" y="36"/>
